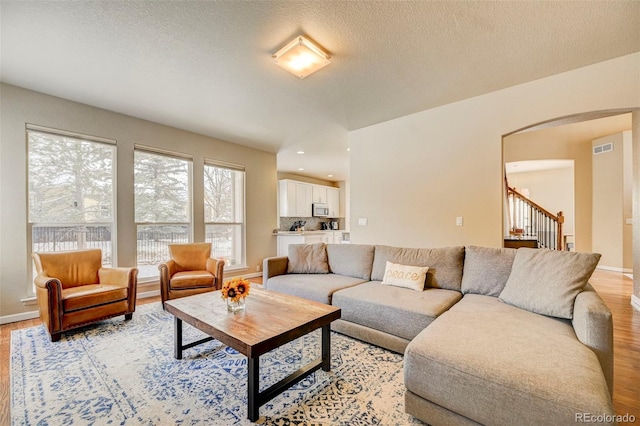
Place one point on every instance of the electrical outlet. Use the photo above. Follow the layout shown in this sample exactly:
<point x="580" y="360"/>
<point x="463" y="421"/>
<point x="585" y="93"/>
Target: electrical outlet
<point x="362" y="221"/>
<point x="459" y="221"/>
<point x="259" y="267"/>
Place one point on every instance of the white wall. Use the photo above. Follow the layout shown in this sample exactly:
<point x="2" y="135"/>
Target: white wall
<point x="612" y="203"/>
<point x="412" y="176"/>
<point x="20" y="106"/>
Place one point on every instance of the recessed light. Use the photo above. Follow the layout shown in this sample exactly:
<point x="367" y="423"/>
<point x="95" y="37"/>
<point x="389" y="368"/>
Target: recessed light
<point x="329" y="175"/>
<point x="301" y="57"/>
<point x="300" y="152"/>
<point x="301" y="169"/>
<point x="348" y="149"/>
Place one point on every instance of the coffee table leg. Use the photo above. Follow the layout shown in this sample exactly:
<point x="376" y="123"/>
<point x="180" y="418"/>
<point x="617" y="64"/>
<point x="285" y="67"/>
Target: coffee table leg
<point x="177" y="349"/>
<point x="326" y="347"/>
<point x="253" y="385"/>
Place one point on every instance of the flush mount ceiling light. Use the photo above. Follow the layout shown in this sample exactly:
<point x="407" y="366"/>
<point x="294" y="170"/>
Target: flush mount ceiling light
<point x="301" y="57"/>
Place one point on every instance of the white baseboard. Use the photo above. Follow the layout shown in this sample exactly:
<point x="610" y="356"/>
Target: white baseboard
<point x="615" y="269"/>
<point x="635" y="302"/>
<point x="145" y="294"/>
<point x="23" y="316"/>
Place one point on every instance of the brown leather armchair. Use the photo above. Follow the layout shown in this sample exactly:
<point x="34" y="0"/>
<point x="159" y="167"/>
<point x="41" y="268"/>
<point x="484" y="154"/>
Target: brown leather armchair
<point x="73" y="289"/>
<point x="191" y="270"/>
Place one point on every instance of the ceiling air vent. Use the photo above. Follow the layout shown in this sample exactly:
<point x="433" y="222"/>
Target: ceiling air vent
<point x="601" y="149"/>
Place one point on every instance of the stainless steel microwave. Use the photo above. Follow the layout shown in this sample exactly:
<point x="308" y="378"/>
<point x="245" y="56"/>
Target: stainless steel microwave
<point x="320" y="210"/>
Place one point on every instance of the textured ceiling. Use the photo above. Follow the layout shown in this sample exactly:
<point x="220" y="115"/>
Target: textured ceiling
<point x="205" y="66"/>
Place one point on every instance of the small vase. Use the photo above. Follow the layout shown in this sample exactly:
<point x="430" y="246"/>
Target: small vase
<point x="235" y="306"/>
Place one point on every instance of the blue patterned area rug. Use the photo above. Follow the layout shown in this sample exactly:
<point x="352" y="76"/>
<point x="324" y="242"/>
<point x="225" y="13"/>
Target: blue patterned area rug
<point x="124" y="373"/>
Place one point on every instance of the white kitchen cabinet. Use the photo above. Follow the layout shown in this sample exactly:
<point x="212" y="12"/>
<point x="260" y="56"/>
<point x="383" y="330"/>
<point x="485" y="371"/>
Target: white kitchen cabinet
<point x="333" y="201"/>
<point x="320" y="194"/>
<point x="295" y="198"/>
<point x="285" y="240"/>
<point x="317" y="237"/>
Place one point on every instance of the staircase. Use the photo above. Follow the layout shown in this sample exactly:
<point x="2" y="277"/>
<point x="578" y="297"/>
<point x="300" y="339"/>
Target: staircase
<point x="531" y="224"/>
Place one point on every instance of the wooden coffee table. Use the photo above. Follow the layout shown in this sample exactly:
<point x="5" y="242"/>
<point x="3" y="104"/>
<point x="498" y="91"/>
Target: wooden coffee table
<point x="269" y="321"/>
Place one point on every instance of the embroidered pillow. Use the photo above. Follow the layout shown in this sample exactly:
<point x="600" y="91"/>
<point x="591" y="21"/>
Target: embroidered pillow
<point x="412" y="277"/>
<point x="308" y="259"/>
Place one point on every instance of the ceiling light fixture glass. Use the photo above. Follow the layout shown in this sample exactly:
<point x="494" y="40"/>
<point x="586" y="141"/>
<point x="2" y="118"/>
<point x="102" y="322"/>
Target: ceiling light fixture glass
<point x="301" y="57"/>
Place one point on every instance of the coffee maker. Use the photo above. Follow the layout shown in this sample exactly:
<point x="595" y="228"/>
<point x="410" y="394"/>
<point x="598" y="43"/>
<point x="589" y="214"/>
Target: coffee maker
<point x="334" y="225"/>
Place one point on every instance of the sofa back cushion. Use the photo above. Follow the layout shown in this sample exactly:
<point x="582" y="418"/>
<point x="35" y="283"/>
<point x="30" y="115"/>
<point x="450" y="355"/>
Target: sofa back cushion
<point x="351" y="260"/>
<point x="445" y="264"/>
<point x="547" y="282"/>
<point x="307" y="259"/>
<point x="486" y="270"/>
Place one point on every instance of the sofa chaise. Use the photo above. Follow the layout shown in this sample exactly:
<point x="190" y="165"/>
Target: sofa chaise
<point x="489" y="336"/>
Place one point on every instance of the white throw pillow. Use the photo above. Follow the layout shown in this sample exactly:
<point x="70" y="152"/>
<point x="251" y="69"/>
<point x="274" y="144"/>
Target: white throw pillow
<point x="412" y="277"/>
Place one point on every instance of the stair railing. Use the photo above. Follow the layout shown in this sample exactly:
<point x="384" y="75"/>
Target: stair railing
<point x="528" y="219"/>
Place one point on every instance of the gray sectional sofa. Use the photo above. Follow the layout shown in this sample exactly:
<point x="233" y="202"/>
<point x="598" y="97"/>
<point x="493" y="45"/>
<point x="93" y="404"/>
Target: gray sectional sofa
<point x="491" y="336"/>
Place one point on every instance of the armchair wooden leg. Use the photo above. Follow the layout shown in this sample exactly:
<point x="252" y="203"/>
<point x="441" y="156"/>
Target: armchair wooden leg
<point x="55" y="337"/>
<point x="127" y="317"/>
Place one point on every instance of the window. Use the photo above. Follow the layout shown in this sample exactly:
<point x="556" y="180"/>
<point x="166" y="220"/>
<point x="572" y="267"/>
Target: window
<point x="224" y="213"/>
<point x="71" y="192"/>
<point x="162" y="207"/>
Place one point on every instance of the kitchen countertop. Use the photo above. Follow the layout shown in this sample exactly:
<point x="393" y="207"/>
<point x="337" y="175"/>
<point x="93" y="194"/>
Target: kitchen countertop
<point x="307" y="232"/>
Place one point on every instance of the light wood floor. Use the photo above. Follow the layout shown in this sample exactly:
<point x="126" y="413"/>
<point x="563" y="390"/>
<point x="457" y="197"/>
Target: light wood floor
<point x="614" y="288"/>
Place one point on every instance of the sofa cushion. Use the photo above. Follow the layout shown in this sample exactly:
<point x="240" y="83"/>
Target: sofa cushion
<point x="486" y="270"/>
<point x="445" y="264"/>
<point x="482" y="352"/>
<point x="547" y="281"/>
<point x="394" y="310"/>
<point x="307" y="259"/>
<point x="317" y="287"/>
<point x="353" y="260"/>
<point x="411" y="277"/>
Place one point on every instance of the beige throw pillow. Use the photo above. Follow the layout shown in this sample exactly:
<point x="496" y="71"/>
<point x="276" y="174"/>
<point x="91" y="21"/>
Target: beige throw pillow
<point x="486" y="269"/>
<point x="308" y="259"/>
<point x="547" y="281"/>
<point x="412" y="277"/>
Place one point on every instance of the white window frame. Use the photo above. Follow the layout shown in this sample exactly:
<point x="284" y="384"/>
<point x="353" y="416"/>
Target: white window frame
<point x="113" y="253"/>
<point x="175" y="155"/>
<point x="243" y="223"/>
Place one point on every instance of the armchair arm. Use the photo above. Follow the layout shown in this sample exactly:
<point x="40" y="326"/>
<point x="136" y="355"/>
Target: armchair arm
<point x="216" y="267"/>
<point x="272" y="266"/>
<point x="170" y="266"/>
<point x="593" y="326"/>
<point x="118" y="276"/>
<point x="44" y="281"/>
<point x="49" y="295"/>
<point x="124" y="277"/>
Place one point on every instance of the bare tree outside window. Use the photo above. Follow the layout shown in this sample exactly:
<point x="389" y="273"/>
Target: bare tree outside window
<point x="71" y="193"/>
<point x="162" y="186"/>
<point x="224" y="213"/>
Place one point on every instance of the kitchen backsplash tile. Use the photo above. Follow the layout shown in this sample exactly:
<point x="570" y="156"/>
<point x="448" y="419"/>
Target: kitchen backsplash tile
<point x="311" y="223"/>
